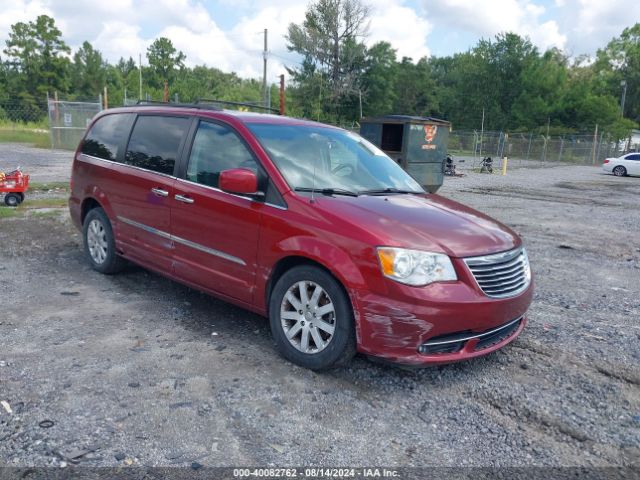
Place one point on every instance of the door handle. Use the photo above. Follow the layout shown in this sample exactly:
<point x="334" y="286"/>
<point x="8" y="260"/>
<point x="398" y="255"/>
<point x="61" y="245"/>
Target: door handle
<point x="184" y="199"/>
<point x="159" y="192"/>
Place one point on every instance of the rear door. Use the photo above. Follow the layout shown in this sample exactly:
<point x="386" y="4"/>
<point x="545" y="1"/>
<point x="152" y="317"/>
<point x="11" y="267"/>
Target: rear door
<point x="145" y="192"/>
<point x="215" y="233"/>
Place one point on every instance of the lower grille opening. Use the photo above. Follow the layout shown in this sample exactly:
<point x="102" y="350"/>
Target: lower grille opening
<point x="454" y="342"/>
<point x="497" y="337"/>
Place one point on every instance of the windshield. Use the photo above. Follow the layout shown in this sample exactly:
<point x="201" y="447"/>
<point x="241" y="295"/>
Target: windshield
<point x="339" y="160"/>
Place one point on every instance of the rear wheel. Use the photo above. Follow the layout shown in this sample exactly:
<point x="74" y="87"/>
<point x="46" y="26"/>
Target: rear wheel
<point x="99" y="243"/>
<point x="619" y="171"/>
<point x="12" y="200"/>
<point x="311" y="319"/>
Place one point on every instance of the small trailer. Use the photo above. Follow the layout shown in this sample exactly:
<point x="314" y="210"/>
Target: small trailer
<point x="14" y="185"/>
<point x="418" y="144"/>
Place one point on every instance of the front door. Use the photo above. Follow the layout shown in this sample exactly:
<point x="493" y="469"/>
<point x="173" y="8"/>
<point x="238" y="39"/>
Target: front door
<point x="215" y="233"/>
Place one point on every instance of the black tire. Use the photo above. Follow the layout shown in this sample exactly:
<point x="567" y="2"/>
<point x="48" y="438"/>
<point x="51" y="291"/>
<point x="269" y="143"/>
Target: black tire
<point x="112" y="262"/>
<point x="12" y="199"/>
<point x="341" y="347"/>
<point x="620" y="171"/>
<point x="21" y="197"/>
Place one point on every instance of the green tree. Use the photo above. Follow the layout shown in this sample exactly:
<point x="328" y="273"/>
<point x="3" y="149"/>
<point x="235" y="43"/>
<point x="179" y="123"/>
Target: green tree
<point x="164" y="61"/>
<point x="330" y="40"/>
<point x="379" y="80"/>
<point x="88" y="72"/>
<point x="620" y="61"/>
<point x="36" y="50"/>
<point x="416" y="92"/>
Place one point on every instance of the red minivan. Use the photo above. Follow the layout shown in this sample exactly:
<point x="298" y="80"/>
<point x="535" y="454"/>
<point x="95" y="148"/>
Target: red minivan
<point x="307" y="224"/>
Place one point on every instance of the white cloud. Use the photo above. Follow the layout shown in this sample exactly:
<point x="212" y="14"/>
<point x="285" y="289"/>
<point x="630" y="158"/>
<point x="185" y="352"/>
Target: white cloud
<point x="123" y="28"/>
<point x="590" y="24"/>
<point x="401" y="26"/>
<point x="490" y="17"/>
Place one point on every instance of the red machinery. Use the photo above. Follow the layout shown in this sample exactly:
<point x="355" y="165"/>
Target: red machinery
<point x="13" y="185"/>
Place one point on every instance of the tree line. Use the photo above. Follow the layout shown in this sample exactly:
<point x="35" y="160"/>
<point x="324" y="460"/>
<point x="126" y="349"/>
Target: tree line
<point x="506" y="80"/>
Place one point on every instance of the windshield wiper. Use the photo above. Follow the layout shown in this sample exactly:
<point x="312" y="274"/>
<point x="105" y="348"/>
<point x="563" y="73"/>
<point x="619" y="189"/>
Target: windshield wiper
<point x="387" y="190"/>
<point x="327" y="191"/>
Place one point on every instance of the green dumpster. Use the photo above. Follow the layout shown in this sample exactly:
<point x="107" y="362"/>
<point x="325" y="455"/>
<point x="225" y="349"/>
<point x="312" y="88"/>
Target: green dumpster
<point x="418" y="144"/>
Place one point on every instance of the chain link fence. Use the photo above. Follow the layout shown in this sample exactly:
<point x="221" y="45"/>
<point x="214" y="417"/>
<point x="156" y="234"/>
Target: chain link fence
<point x="531" y="149"/>
<point x="69" y="120"/>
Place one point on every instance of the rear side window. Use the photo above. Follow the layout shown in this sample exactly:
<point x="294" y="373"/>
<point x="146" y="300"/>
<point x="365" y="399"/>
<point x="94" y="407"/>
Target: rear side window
<point x="155" y="142"/>
<point x="107" y="135"/>
<point x="216" y="148"/>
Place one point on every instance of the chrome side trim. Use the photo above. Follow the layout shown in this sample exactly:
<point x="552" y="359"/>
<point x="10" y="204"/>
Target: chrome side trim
<point x="471" y="337"/>
<point x="183" y="241"/>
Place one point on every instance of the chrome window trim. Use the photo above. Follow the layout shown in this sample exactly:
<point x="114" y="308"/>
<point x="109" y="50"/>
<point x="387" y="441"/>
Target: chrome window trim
<point x="128" y="165"/>
<point x="183" y="241"/>
<point x="216" y="189"/>
<point x="471" y="337"/>
<point x="173" y="177"/>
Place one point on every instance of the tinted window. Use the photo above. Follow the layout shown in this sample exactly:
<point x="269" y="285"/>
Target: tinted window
<point x="216" y="148"/>
<point x="155" y="142"/>
<point x="106" y="135"/>
<point x="635" y="156"/>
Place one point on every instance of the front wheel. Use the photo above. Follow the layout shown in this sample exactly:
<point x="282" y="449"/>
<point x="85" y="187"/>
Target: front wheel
<point x="99" y="243"/>
<point x="12" y="200"/>
<point x="619" y="171"/>
<point x="311" y="319"/>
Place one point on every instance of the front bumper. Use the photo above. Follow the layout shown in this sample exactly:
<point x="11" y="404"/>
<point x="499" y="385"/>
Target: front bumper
<point x="399" y="327"/>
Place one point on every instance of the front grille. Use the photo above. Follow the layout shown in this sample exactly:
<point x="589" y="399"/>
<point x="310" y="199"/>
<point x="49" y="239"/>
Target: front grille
<point x="454" y="342"/>
<point x="503" y="274"/>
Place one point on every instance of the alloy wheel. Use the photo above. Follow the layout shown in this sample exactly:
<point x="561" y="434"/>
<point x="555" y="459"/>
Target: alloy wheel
<point x="97" y="241"/>
<point x="307" y="315"/>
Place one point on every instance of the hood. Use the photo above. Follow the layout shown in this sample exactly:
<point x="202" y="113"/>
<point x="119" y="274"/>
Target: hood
<point x="422" y="222"/>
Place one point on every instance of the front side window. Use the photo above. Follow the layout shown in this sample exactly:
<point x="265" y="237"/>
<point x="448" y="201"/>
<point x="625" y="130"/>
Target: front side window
<point x="216" y="148"/>
<point x="155" y="142"/>
<point x="327" y="158"/>
<point x="106" y="135"/>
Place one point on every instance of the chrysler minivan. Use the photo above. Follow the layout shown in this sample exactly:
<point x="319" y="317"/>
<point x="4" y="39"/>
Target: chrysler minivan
<point x="309" y="225"/>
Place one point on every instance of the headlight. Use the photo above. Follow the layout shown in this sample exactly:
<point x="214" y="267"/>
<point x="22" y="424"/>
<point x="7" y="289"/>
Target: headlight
<point x="414" y="267"/>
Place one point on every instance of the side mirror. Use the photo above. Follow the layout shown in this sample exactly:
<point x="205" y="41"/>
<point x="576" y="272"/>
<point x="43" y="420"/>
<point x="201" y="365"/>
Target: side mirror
<point x="241" y="181"/>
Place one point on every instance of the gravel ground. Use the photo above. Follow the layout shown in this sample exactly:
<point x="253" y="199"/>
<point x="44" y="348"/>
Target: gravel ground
<point x="135" y="369"/>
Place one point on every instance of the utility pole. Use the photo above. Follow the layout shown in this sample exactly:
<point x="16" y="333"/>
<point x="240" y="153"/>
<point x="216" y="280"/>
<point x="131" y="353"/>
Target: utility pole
<point x="623" y="84"/>
<point x="360" y="100"/>
<point x="595" y="141"/>
<point x="282" y="94"/>
<point x="481" y="132"/>
<point x="140" y="75"/>
<point x="264" y="71"/>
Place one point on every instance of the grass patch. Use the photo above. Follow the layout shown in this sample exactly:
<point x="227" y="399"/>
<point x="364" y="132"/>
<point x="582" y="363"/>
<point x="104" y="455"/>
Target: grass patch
<point x="43" y="203"/>
<point x="31" y="137"/>
<point x="32" y="207"/>
<point x="45" y="187"/>
<point x="8" y="212"/>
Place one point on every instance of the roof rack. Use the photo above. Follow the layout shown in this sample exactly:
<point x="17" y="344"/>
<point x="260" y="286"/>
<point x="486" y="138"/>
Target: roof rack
<point x="206" y="104"/>
<point x="156" y="103"/>
<point x="237" y="104"/>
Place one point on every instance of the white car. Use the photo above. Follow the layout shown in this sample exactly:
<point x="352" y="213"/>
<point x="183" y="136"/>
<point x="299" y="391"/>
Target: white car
<point x="628" y="164"/>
